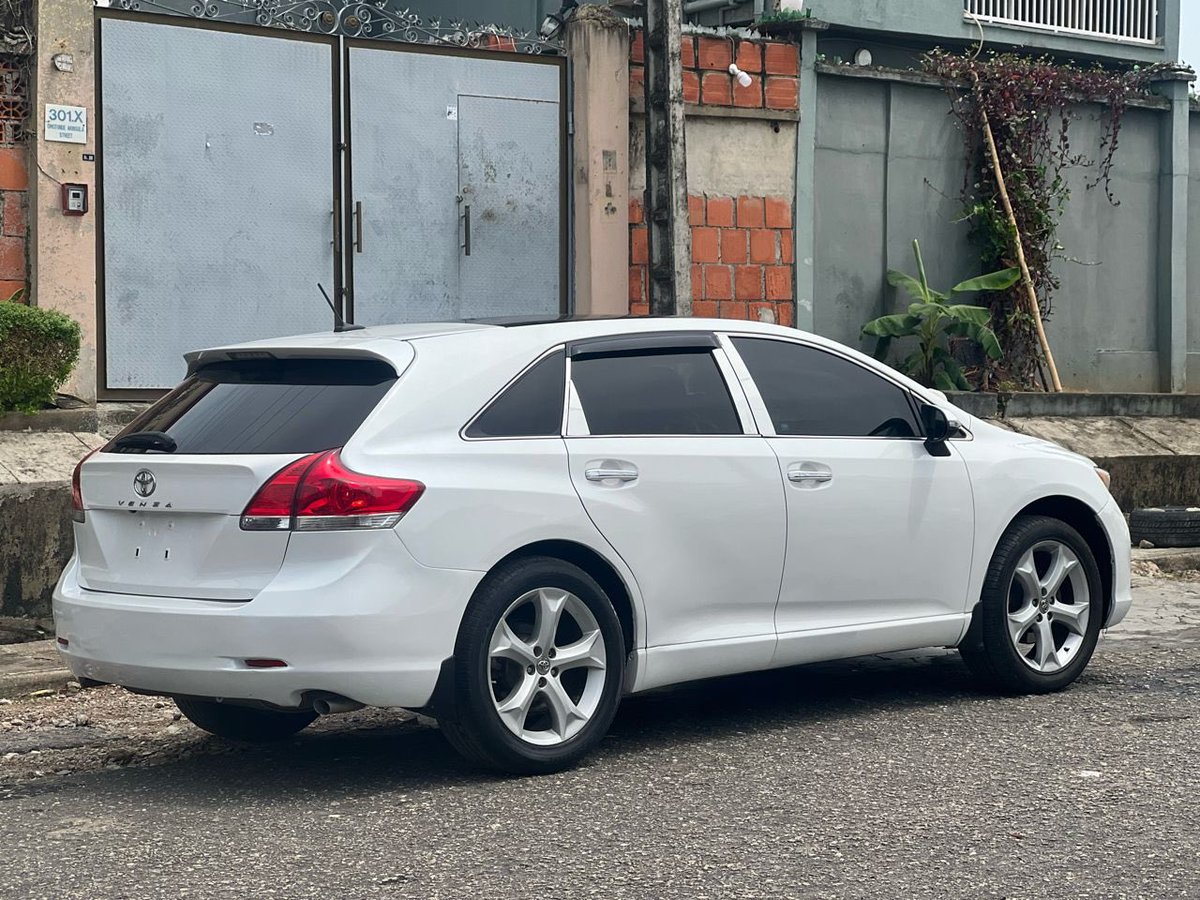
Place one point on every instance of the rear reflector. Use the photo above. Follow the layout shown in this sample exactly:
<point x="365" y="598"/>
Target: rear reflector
<point x="265" y="664"/>
<point x="63" y="642"/>
<point x="318" y="493"/>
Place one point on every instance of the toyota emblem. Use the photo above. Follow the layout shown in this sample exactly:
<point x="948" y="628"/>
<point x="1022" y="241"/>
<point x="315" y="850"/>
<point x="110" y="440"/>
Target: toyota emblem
<point x="144" y="483"/>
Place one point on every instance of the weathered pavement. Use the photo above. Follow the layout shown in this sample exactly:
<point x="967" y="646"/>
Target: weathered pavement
<point x="30" y="667"/>
<point x="872" y="778"/>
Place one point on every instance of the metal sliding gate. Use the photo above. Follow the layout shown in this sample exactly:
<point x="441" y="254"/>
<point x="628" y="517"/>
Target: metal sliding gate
<point x="242" y="166"/>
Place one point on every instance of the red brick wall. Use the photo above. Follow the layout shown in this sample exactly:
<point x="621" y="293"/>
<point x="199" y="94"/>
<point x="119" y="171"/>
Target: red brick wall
<point x="14" y="184"/>
<point x="742" y="247"/>
<point x="741" y="258"/>
<point x="774" y="66"/>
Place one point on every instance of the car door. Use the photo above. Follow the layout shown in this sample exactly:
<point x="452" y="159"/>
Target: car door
<point x="664" y="458"/>
<point x="880" y="531"/>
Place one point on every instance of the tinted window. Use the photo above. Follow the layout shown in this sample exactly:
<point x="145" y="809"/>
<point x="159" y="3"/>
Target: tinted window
<point x="531" y="406"/>
<point x="811" y="392"/>
<point x="654" y="393"/>
<point x="268" y="406"/>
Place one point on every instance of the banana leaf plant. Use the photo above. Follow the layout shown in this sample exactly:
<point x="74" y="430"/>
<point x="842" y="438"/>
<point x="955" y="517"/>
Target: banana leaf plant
<point x="932" y="319"/>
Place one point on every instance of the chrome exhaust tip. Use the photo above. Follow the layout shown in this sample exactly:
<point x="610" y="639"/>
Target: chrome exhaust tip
<point x="330" y="704"/>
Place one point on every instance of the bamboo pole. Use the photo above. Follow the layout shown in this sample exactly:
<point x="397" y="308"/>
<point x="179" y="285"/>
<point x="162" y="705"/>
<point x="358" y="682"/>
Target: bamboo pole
<point x="1026" y="280"/>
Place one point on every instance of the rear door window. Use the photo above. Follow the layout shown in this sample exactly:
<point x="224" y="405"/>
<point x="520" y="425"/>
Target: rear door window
<point x="268" y="406"/>
<point x="678" y="392"/>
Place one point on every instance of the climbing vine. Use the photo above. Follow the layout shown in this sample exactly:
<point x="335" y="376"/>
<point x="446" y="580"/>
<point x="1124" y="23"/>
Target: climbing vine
<point x="1031" y="103"/>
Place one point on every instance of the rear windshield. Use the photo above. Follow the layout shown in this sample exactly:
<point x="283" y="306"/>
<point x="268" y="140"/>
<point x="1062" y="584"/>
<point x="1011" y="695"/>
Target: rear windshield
<point x="267" y="406"/>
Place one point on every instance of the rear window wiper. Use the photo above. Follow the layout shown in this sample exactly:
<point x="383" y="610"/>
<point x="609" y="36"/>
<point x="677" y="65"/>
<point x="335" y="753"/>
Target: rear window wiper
<point x="146" y="440"/>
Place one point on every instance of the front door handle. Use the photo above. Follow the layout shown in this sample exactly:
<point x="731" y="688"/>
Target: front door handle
<point x="809" y="473"/>
<point x="467" y="230"/>
<point x="610" y="473"/>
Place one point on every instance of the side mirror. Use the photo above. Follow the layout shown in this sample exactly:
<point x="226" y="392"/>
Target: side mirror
<point x="937" y="427"/>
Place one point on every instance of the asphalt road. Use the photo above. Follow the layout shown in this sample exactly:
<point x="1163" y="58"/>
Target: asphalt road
<point x="876" y="778"/>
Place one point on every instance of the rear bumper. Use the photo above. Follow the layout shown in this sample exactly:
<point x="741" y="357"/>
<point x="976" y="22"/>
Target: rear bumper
<point x="1117" y="528"/>
<point x="350" y="613"/>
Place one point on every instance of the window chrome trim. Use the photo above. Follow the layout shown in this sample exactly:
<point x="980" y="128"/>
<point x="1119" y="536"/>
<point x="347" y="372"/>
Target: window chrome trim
<point x="733" y="384"/>
<point x="761" y="417"/>
<point x="577" y="423"/>
<point x="569" y="397"/>
<point x="767" y="424"/>
<point x="462" y="432"/>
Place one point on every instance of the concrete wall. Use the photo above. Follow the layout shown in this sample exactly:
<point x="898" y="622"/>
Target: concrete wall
<point x="890" y="168"/>
<point x="35" y="545"/>
<point x="598" y="47"/>
<point x="1193" y="260"/>
<point x="63" y="248"/>
<point x="1103" y="327"/>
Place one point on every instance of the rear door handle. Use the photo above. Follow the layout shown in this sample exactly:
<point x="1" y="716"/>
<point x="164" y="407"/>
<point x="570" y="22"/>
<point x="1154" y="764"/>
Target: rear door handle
<point x="610" y="473"/>
<point x="809" y="473"/>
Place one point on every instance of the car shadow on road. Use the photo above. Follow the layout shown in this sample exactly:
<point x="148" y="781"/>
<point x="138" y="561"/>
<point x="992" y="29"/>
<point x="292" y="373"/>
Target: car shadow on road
<point x="402" y="755"/>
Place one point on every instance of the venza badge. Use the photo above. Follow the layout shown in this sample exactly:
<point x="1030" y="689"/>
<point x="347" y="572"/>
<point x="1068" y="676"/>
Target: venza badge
<point x="144" y="483"/>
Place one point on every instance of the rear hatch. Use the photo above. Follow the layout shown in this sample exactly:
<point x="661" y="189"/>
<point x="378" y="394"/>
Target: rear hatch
<point x="166" y="521"/>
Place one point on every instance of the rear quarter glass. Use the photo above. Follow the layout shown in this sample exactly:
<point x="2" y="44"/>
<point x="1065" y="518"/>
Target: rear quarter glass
<point x="267" y="406"/>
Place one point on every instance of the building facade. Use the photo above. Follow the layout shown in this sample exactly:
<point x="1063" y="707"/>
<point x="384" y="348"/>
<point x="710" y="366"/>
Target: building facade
<point x="806" y="185"/>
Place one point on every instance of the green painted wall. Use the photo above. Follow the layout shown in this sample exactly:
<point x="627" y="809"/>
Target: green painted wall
<point x="890" y="168"/>
<point x="1193" y="257"/>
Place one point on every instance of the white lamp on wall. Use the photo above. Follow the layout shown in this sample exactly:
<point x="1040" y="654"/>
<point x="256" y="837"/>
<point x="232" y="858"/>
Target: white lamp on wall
<point x="743" y="78"/>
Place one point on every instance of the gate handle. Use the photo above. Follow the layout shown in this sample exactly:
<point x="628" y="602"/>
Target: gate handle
<point x="467" y="230"/>
<point x="358" y="226"/>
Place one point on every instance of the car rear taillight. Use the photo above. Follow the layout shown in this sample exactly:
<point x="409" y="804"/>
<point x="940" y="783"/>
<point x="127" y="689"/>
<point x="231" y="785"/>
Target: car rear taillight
<point x="271" y="508"/>
<point x="318" y="493"/>
<point x="78" y="514"/>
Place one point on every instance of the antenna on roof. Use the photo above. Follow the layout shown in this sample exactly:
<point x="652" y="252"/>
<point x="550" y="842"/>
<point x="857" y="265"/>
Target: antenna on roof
<point x="339" y="324"/>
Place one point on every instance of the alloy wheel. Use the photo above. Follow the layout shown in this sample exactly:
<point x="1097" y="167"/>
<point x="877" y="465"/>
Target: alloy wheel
<point x="1049" y="605"/>
<point x="547" y="666"/>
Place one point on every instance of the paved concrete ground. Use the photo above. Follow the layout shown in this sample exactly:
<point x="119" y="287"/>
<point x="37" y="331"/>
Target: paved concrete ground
<point x="29" y="667"/>
<point x="872" y="778"/>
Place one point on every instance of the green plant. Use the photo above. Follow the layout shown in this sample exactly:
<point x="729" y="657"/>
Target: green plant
<point x="38" y="349"/>
<point x="932" y="320"/>
<point x="1031" y="103"/>
<point x="783" y="16"/>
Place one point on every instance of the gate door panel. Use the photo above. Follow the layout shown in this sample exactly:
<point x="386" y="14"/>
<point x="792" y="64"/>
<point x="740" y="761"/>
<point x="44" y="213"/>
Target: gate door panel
<point x="507" y="157"/>
<point x="425" y="127"/>
<point x="218" y="192"/>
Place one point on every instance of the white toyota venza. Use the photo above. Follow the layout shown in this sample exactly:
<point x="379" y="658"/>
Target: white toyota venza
<point x="511" y="527"/>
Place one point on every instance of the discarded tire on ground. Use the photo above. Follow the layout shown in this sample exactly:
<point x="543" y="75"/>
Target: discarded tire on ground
<point x="1166" y="526"/>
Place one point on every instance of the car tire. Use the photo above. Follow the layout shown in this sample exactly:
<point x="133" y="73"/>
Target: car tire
<point x="243" y="723"/>
<point x="508" y="706"/>
<point x="1040" y="611"/>
<point x="1169" y="526"/>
